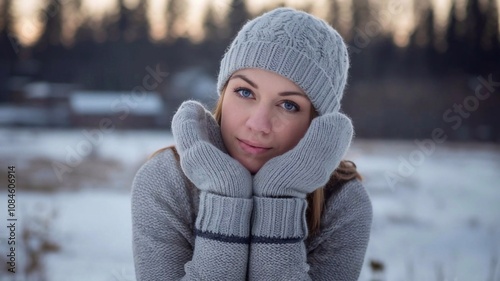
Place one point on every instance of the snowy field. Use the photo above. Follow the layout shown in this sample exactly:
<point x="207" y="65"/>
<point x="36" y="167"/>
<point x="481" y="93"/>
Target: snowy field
<point x="436" y="206"/>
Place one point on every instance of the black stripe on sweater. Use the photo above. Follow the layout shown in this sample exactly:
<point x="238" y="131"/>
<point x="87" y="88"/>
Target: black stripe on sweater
<point x="221" y="237"/>
<point x="269" y="240"/>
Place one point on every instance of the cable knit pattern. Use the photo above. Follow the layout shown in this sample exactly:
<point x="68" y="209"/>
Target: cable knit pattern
<point x="165" y="214"/>
<point x="296" y="45"/>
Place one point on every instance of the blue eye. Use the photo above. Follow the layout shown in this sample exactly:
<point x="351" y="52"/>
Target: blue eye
<point x="244" y="93"/>
<point x="290" y="106"/>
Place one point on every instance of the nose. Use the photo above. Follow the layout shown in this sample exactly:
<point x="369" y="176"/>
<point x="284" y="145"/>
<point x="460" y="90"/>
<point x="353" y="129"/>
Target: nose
<point x="260" y="120"/>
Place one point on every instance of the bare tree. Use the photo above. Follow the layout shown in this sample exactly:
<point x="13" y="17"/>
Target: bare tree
<point x="52" y="15"/>
<point x="175" y="10"/>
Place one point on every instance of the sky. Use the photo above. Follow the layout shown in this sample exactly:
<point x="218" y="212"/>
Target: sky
<point x="397" y="16"/>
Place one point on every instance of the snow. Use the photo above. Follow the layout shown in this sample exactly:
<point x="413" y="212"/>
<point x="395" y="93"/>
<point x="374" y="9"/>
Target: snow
<point x="437" y="220"/>
<point x="126" y="146"/>
<point x="101" y="102"/>
<point x="93" y="230"/>
<point x="11" y="114"/>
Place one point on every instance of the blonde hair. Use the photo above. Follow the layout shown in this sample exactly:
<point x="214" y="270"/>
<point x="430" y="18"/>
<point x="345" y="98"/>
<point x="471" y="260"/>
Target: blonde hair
<point x="346" y="171"/>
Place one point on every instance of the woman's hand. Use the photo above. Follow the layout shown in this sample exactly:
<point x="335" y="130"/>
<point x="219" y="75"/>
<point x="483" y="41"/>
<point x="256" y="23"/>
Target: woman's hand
<point x="202" y="153"/>
<point x="310" y="163"/>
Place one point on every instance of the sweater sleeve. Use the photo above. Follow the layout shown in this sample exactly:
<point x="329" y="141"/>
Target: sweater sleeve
<point x="162" y="228"/>
<point x="279" y="228"/>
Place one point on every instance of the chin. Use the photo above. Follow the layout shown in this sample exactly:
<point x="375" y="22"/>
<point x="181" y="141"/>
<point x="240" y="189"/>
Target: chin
<point x="252" y="167"/>
<point x="254" y="171"/>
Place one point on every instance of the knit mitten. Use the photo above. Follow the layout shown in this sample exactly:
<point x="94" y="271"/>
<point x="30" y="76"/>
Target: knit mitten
<point x="310" y="163"/>
<point x="199" y="143"/>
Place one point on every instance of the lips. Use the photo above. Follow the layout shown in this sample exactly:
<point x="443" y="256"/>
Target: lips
<point x="251" y="147"/>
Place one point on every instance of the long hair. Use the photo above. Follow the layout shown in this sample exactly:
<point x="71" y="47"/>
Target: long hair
<point x="346" y="171"/>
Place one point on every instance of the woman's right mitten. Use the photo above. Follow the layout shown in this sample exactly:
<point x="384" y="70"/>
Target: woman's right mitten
<point x="208" y="167"/>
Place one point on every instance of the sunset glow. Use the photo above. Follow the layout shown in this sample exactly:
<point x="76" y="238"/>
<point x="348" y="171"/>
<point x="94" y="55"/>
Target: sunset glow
<point x="396" y="17"/>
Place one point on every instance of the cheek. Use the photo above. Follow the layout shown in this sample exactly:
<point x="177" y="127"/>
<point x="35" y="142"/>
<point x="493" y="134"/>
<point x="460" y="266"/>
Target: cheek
<point x="230" y="121"/>
<point x="225" y="124"/>
<point x="229" y="118"/>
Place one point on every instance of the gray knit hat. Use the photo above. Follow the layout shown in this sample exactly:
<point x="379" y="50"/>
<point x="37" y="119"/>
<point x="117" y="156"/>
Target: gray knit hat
<point x="296" y="45"/>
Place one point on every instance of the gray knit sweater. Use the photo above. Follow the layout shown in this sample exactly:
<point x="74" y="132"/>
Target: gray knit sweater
<point x="182" y="234"/>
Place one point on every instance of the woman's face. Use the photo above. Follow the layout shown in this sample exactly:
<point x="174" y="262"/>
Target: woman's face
<point x="263" y="115"/>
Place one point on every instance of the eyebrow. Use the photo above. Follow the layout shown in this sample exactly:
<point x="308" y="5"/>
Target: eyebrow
<point x="284" y="94"/>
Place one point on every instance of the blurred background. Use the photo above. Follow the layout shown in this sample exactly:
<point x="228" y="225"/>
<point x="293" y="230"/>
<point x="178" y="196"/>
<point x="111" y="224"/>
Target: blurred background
<point x="88" y="89"/>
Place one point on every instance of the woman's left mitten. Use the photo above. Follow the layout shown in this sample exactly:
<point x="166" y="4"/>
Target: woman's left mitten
<point x="310" y="163"/>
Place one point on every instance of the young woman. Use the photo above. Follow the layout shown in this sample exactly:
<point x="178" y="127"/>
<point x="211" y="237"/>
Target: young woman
<point x="259" y="190"/>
